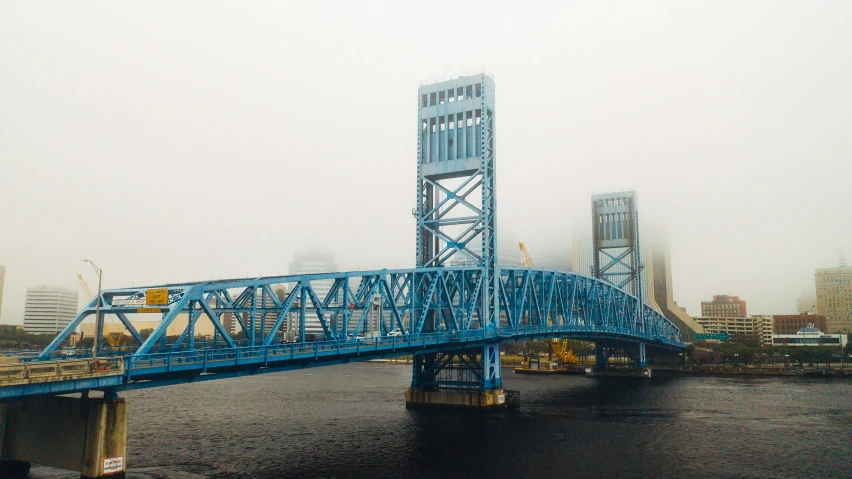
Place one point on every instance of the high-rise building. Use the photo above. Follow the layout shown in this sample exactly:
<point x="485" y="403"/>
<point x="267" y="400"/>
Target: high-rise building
<point x="724" y="306"/>
<point x="312" y="262"/>
<point x="660" y="293"/>
<point x="48" y="309"/>
<point x="2" y="280"/>
<point x="834" y="297"/>
<point x="806" y="304"/>
<point x="582" y="251"/>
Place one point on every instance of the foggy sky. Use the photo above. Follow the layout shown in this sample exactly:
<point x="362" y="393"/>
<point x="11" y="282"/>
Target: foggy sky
<point x="194" y="140"/>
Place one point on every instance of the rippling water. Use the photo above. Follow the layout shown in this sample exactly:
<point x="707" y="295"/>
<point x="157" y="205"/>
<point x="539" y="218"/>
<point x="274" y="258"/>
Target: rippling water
<point x="350" y="421"/>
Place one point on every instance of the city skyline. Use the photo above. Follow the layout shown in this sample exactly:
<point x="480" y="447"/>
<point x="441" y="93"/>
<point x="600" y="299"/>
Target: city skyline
<point x="329" y="238"/>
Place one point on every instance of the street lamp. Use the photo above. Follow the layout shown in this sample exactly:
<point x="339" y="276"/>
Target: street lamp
<point x="99" y="323"/>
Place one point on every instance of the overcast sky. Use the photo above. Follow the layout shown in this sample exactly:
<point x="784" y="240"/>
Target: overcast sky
<point x="172" y="141"/>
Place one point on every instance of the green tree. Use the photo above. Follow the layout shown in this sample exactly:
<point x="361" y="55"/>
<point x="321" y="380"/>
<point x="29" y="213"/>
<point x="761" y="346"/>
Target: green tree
<point x="823" y="354"/>
<point x="146" y="332"/>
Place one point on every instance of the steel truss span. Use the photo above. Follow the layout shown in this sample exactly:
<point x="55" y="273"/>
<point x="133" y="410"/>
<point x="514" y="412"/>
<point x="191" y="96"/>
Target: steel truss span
<point x="533" y="303"/>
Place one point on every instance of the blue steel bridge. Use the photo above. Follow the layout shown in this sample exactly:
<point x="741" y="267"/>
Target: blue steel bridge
<point x="436" y="310"/>
<point x="450" y="312"/>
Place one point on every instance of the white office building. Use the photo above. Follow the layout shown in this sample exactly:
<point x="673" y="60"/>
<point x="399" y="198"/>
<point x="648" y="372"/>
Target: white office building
<point x="48" y="309"/>
<point x="810" y="336"/>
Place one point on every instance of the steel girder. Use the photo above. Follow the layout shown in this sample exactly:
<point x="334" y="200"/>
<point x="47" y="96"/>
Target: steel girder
<point x="407" y="300"/>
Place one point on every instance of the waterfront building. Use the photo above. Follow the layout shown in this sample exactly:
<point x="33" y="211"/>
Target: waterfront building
<point x="810" y="336"/>
<point x="724" y="306"/>
<point x="9" y="328"/>
<point x="48" y="309"/>
<point x="742" y="325"/>
<point x="834" y="297"/>
<point x="791" y="323"/>
<point x="806" y="304"/>
<point x="764" y="327"/>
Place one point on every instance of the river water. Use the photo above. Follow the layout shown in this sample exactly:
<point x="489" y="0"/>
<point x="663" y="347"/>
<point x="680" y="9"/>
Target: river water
<point x="350" y="421"/>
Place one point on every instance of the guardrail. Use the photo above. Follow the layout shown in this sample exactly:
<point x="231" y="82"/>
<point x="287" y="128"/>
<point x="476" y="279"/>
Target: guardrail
<point x="207" y="359"/>
<point x="62" y="370"/>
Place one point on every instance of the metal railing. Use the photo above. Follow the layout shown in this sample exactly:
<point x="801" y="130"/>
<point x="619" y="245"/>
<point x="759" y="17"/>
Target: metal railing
<point x="229" y="357"/>
<point x="46" y="371"/>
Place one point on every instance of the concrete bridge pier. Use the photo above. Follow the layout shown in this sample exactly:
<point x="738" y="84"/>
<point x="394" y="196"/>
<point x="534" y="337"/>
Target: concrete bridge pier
<point x="638" y="368"/>
<point x="467" y="378"/>
<point x="81" y="434"/>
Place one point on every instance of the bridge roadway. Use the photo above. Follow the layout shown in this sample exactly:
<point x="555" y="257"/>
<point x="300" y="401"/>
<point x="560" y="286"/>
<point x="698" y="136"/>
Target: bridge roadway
<point x="163" y="369"/>
<point x="533" y="304"/>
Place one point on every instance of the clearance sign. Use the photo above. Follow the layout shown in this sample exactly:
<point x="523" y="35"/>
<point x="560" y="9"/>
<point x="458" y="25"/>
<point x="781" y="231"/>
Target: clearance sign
<point x="157" y="297"/>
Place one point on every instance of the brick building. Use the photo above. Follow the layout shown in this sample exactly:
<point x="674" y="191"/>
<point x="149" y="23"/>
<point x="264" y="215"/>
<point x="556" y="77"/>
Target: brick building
<point x="724" y="306"/>
<point x="792" y="323"/>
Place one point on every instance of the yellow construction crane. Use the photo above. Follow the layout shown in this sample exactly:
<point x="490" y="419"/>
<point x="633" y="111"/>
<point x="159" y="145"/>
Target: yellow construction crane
<point x="114" y="339"/>
<point x="563" y="354"/>
<point x="559" y="347"/>
<point x="525" y="255"/>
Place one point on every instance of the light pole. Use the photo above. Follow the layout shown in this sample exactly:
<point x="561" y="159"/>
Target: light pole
<point x="99" y="323"/>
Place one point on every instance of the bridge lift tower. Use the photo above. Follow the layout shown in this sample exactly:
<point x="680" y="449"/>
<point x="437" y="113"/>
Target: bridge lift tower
<point x="616" y="258"/>
<point x="455" y="212"/>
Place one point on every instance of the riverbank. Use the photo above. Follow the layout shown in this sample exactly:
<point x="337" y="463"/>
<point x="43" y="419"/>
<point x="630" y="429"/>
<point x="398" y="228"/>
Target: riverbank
<point x="753" y="371"/>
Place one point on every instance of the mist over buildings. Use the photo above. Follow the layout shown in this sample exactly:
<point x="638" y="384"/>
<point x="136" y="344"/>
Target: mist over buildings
<point x="205" y="140"/>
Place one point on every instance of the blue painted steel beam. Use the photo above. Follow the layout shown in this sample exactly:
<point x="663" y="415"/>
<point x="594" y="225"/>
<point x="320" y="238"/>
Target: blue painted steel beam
<point x="527" y="297"/>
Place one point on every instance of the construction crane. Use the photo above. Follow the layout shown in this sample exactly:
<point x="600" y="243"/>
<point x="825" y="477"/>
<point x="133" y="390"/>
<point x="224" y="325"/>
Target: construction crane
<point x="563" y="354"/>
<point x="559" y="347"/>
<point x="113" y="338"/>
<point x="525" y="255"/>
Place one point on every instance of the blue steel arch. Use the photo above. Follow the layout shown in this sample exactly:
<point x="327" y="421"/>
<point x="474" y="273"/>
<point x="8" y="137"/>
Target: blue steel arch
<point x="528" y="298"/>
<point x="533" y="303"/>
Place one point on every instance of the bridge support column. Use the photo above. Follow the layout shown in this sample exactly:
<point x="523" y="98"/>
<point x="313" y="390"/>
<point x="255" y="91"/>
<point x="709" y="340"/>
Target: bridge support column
<point x="468" y="378"/>
<point x="601" y="356"/>
<point x="641" y="360"/>
<point x="82" y="434"/>
<point x="637" y="369"/>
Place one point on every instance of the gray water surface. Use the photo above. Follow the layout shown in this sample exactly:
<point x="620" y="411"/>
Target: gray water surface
<point x="350" y="421"/>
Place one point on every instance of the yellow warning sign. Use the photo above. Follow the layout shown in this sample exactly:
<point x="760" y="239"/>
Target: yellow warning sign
<point x="157" y="296"/>
<point x="149" y="310"/>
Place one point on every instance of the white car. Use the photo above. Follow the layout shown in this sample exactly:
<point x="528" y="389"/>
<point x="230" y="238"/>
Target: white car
<point x="395" y="332"/>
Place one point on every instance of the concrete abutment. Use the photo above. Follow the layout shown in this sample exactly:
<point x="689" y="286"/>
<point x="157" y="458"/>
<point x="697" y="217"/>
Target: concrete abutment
<point x="463" y="398"/>
<point x="81" y="434"/>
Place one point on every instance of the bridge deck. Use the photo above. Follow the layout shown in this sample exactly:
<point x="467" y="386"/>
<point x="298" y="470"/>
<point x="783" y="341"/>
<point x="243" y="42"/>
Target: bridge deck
<point x="161" y="369"/>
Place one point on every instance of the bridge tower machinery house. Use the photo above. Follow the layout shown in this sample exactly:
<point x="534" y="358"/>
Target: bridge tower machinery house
<point x="456" y="224"/>
<point x="616" y="259"/>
